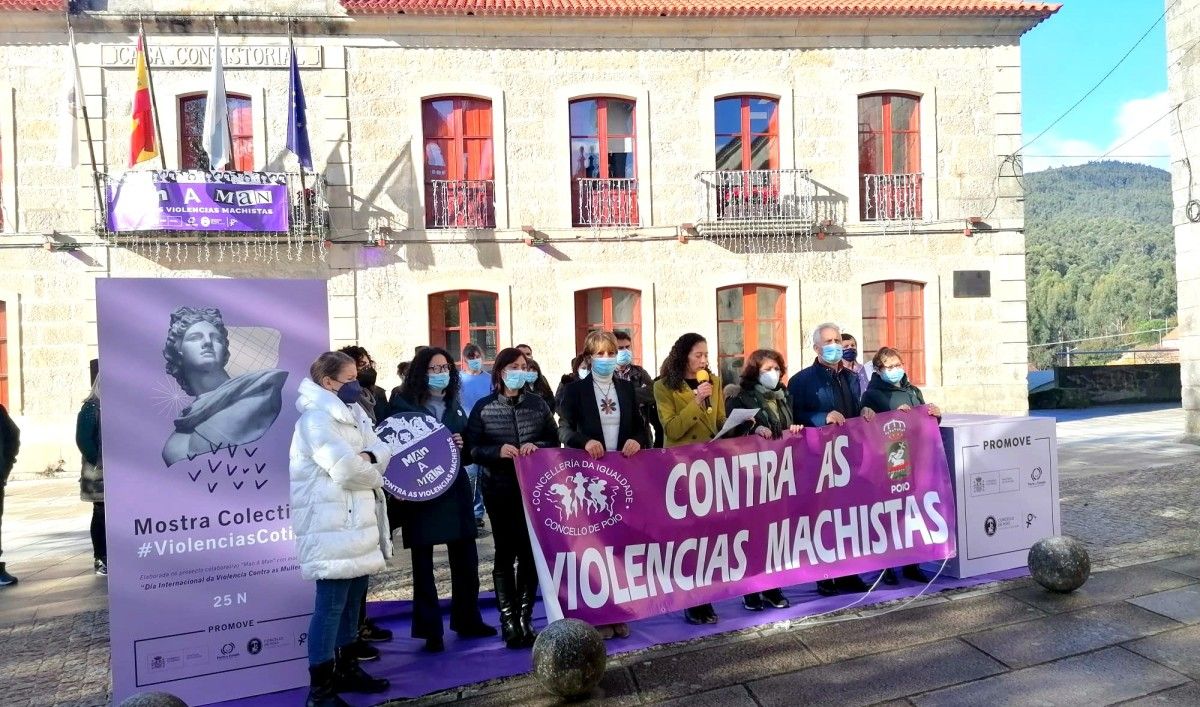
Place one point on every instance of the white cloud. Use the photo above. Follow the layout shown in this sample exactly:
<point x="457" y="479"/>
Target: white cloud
<point x="1131" y="118"/>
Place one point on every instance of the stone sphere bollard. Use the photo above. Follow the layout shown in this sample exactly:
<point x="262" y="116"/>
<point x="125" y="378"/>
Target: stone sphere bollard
<point x="153" y="699"/>
<point x="569" y="658"/>
<point x="1060" y="564"/>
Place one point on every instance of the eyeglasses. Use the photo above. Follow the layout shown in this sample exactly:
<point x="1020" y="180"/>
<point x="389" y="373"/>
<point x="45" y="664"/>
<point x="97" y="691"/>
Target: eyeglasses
<point x="893" y="367"/>
<point x="444" y="368"/>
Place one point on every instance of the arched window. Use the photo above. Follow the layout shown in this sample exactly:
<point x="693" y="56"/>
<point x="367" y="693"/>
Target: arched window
<point x="611" y="309"/>
<point x="603" y="162"/>
<point x="747" y="133"/>
<point x="889" y="156"/>
<point x="459" y="172"/>
<point x="460" y="317"/>
<point x="749" y="317"/>
<point x="191" y="132"/>
<point x="893" y="314"/>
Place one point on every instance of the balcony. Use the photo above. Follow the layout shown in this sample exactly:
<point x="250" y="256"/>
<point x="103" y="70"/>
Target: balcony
<point x="604" y="203"/>
<point x="152" y="205"/>
<point x="891" y="197"/>
<point x="756" y="202"/>
<point x="460" y="203"/>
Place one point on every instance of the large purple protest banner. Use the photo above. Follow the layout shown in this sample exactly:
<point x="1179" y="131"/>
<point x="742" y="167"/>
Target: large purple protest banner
<point x="199" y="380"/>
<point x="617" y="539"/>
<point x="198" y="201"/>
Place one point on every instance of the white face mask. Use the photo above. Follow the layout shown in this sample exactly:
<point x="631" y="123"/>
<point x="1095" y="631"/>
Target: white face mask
<point x="582" y="372"/>
<point x="768" y="379"/>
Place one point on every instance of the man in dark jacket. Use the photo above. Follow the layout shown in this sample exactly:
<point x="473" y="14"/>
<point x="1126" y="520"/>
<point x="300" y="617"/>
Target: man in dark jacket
<point x="828" y="393"/>
<point x="10" y="444"/>
<point x="643" y="385"/>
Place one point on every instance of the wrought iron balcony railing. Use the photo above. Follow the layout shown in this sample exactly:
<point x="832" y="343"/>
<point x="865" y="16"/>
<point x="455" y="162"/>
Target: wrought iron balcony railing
<point x="460" y="203"/>
<point x="605" y="202"/>
<point x="153" y="205"/>
<point x="891" y="197"/>
<point x="756" y="201"/>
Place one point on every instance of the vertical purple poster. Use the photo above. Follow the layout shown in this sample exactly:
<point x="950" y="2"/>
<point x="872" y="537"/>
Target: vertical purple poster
<point x="199" y="379"/>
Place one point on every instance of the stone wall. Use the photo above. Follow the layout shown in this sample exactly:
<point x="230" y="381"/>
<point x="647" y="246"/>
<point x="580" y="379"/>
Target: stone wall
<point x="364" y="89"/>
<point x="1183" y="78"/>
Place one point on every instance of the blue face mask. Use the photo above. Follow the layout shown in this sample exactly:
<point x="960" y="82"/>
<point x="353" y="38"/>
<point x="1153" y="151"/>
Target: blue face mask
<point x="474" y="365"/>
<point x="604" y="366"/>
<point x="531" y="377"/>
<point x="514" y="380"/>
<point x="439" y="381"/>
<point x="624" y="357"/>
<point x="849" y="355"/>
<point x="893" y="376"/>
<point x="349" y="392"/>
<point x="831" y="353"/>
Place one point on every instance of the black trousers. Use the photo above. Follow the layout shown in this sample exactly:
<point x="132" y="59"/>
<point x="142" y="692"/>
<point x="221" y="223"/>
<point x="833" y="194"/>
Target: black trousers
<point x="2" y="517"/>
<point x="99" y="542"/>
<point x="514" y="565"/>
<point x="464" y="589"/>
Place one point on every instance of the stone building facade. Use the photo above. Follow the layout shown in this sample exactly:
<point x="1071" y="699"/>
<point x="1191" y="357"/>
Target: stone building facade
<point x="1183" y="79"/>
<point x="520" y="175"/>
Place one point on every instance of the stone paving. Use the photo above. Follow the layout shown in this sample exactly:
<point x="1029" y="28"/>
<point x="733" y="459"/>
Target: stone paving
<point x="1131" y="635"/>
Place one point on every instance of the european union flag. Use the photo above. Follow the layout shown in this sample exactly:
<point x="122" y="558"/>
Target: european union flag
<point x="297" y="137"/>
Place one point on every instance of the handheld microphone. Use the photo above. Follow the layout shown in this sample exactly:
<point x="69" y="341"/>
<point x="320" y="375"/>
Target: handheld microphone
<point x="702" y="377"/>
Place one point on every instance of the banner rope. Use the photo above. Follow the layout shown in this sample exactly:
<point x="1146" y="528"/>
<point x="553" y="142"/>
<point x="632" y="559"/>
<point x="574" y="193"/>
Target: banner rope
<point x="807" y="621"/>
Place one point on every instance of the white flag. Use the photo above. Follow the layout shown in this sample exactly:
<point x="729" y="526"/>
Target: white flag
<point x="68" y="125"/>
<point x="216" y="115"/>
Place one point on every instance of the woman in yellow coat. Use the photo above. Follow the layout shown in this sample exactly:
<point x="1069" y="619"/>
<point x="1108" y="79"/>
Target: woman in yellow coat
<point x="692" y="410"/>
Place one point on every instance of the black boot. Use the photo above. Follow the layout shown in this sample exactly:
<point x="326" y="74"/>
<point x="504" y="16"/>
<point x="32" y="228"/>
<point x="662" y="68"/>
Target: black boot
<point x="527" y="579"/>
<point x="850" y="584"/>
<point x="506" y="602"/>
<point x="826" y="588"/>
<point x="915" y="573"/>
<point x="349" y="677"/>
<point x="889" y="577"/>
<point x="322" y="691"/>
<point x="752" y="602"/>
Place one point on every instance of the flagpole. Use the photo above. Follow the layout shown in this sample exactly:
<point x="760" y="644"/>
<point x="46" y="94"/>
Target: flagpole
<point x="303" y="184"/>
<point x="82" y="103"/>
<point x="162" y="153"/>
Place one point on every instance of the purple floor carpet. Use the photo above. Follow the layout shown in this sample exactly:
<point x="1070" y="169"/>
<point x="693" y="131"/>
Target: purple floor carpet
<point x="414" y="673"/>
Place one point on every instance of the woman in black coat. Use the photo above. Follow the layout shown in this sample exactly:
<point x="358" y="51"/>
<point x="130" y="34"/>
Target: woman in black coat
<point x="432" y="387"/>
<point x="511" y="422"/>
<point x="890" y="390"/>
<point x="601" y="414"/>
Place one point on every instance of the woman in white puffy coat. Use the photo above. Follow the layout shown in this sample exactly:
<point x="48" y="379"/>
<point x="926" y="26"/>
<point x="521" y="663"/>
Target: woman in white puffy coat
<point x="337" y="465"/>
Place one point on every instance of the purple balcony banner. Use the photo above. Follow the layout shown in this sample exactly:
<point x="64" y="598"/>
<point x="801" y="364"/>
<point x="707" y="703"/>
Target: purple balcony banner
<point x="618" y="539"/>
<point x="199" y="380"/>
<point x="192" y="200"/>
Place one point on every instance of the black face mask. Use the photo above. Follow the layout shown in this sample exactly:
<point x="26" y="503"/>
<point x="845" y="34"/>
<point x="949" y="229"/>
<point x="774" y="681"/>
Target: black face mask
<point x="367" y="377"/>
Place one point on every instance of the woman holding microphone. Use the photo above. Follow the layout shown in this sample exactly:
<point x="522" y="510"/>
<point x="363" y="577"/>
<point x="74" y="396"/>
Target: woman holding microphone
<point x="689" y="412"/>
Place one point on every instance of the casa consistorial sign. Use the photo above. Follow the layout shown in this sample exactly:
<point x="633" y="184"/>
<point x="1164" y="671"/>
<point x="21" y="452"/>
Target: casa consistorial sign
<point x="253" y="56"/>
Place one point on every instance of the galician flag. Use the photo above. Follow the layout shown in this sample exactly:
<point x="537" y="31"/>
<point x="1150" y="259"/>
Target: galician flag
<point x="142" y="145"/>
<point x="216" y="115"/>
<point x="297" y="136"/>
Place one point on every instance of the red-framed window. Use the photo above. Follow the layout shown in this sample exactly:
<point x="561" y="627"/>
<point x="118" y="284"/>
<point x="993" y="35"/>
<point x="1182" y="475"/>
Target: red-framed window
<point x="749" y="317"/>
<point x="460" y="317"/>
<point x="459" y="168"/>
<point x="894" y="315"/>
<point x="3" y="354"/>
<point x="191" y="131"/>
<point x="610" y="309"/>
<point x="603" y="147"/>
<point x="889" y="143"/>
<point x="747" y="133"/>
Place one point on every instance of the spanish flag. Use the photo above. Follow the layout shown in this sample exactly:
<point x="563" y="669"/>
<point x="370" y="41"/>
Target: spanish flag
<point x="142" y="145"/>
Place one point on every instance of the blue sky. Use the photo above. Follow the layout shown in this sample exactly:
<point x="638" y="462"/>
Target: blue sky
<point x="1066" y="55"/>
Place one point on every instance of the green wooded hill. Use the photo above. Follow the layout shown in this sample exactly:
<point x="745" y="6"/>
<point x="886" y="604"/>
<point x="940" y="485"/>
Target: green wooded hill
<point x="1101" y="254"/>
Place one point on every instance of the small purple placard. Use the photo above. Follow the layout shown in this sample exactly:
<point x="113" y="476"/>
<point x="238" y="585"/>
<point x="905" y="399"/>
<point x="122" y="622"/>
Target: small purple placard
<point x="424" y="456"/>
